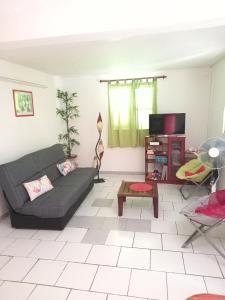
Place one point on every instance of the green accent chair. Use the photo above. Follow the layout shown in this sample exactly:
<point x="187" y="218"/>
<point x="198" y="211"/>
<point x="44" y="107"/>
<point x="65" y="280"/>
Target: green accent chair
<point x="193" y="171"/>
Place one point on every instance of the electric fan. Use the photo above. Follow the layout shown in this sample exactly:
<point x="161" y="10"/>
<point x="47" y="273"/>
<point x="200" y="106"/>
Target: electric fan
<point x="212" y="154"/>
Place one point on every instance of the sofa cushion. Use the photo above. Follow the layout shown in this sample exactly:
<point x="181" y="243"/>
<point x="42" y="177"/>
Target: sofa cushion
<point x="77" y="177"/>
<point x="53" y="204"/>
<point x="48" y="157"/>
<point x="66" y="167"/>
<point x="38" y="187"/>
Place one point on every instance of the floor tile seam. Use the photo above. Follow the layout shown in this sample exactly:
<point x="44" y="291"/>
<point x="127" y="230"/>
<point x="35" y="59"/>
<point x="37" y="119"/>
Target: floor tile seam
<point x="63" y="269"/>
<point x="222" y="242"/>
<point x="132" y="244"/>
<point x="52" y="258"/>
<point x="4" y="249"/>
<point x="33" y="248"/>
<point x="23" y="278"/>
<point x="50" y="240"/>
<point x="204" y="253"/>
<point x="223" y="274"/>
<point x="150" y="260"/>
<point x="211" y="277"/>
<point x="185" y="271"/>
<point x="161" y="240"/>
<point x="10" y="258"/>
<point x="56" y="258"/>
<point x="201" y="275"/>
<point x="129" y="282"/>
<point x="117" y="261"/>
<point x="92" y="246"/>
<point x="7" y="236"/>
<point x="70" y="292"/>
<point x="167" y="287"/>
<point x="14" y="240"/>
<point x="16" y="281"/>
<point x="31" y="292"/>
<point x="176" y="227"/>
<point x="92" y="282"/>
<point x="208" y="254"/>
<point x="206" y="288"/>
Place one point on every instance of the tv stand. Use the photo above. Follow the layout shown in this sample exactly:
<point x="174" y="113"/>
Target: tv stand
<point x="164" y="155"/>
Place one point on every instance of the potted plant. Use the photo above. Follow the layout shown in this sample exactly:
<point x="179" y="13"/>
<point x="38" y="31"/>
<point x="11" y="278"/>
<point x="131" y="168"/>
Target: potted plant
<point x="68" y="112"/>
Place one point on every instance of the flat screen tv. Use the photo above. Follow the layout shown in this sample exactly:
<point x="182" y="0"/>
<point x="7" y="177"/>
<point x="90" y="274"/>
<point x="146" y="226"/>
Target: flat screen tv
<point x="167" y="124"/>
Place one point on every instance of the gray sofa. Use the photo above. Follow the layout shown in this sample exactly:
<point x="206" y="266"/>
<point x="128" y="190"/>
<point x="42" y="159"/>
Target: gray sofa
<point x="53" y="209"/>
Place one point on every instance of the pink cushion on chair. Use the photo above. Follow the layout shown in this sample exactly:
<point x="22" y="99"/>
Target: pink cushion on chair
<point x="188" y="173"/>
<point x="140" y="187"/>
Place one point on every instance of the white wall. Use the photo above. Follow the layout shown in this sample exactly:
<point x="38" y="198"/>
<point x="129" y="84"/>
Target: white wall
<point x="183" y="91"/>
<point x="217" y="104"/>
<point x="19" y="135"/>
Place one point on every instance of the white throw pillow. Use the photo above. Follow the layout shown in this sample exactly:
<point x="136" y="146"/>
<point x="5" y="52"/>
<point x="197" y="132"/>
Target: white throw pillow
<point x="66" y="167"/>
<point x="38" y="187"/>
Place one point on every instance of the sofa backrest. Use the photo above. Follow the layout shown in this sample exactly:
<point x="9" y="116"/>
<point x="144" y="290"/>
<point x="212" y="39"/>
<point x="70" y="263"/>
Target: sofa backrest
<point x="28" y="168"/>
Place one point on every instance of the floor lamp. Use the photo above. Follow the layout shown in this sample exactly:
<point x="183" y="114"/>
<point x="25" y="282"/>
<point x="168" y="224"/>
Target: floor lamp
<point x="99" y="149"/>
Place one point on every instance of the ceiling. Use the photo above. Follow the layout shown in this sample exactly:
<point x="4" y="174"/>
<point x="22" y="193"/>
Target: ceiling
<point x="49" y="42"/>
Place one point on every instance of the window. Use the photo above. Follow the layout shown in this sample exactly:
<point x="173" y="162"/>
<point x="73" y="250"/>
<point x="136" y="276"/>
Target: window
<point x="143" y="106"/>
<point x="129" y="108"/>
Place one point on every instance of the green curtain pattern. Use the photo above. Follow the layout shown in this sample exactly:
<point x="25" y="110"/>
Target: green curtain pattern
<point x="126" y="108"/>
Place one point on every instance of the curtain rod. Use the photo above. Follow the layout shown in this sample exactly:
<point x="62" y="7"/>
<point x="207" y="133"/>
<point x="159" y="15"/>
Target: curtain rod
<point x="140" y="78"/>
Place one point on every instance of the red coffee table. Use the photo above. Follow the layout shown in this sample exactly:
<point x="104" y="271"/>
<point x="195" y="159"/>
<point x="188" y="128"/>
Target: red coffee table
<point x="125" y="191"/>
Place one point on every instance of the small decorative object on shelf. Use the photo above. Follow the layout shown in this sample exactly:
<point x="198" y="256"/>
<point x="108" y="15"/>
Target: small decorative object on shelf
<point x="99" y="149"/>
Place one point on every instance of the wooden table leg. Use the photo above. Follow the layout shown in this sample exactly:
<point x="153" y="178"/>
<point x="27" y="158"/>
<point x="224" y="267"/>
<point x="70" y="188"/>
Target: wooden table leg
<point x="155" y="206"/>
<point x="121" y="199"/>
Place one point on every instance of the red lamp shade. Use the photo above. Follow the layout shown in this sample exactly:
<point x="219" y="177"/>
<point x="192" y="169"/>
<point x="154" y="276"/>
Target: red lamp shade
<point x="99" y="123"/>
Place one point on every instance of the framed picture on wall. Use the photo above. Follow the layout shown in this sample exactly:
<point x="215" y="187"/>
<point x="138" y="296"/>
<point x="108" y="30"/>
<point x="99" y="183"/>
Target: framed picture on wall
<point x="23" y="103"/>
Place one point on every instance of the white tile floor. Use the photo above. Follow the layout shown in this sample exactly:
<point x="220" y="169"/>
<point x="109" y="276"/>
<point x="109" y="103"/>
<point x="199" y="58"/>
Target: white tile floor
<point x="99" y="256"/>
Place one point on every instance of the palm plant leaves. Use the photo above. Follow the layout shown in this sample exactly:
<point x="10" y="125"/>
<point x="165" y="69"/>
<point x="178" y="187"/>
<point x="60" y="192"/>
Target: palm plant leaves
<point x="68" y="112"/>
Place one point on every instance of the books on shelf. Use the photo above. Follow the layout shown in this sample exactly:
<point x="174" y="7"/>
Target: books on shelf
<point x="161" y="159"/>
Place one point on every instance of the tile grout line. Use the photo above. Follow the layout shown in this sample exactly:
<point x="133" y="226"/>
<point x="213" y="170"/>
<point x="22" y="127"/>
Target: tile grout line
<point x="64" y="268"/>
<point x="185" y="271"/>
<point x="65" y="244"/>
<point x="150" y="259"/>
<point x="70" y="292"/>
<point x="167" y="288"/>
<point x="128" y="287"/>
<point x="30" y="269"/>
<point x="119" y="256"/>
<point x="10" y="258"/>
<point x="35" y="285"/>
<point x="219" y="266"/>
<point x="92" y="246"/>
<point x="94" y="278"/>
<point x="203" y="277"/>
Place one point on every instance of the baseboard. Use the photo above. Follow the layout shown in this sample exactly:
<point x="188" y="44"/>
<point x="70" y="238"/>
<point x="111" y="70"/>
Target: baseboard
<point x="122" y="172"/>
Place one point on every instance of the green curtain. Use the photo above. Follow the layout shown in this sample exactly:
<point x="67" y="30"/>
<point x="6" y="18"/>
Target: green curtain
<point x="123" y="125"/>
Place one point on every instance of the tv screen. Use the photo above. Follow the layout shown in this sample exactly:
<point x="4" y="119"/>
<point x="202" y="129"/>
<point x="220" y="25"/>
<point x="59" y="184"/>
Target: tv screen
<point x="167" y="124"/>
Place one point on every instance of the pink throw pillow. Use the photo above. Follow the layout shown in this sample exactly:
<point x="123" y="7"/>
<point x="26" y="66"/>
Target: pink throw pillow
<point x="66" y="167"/>
<point x="38" y="187"/>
